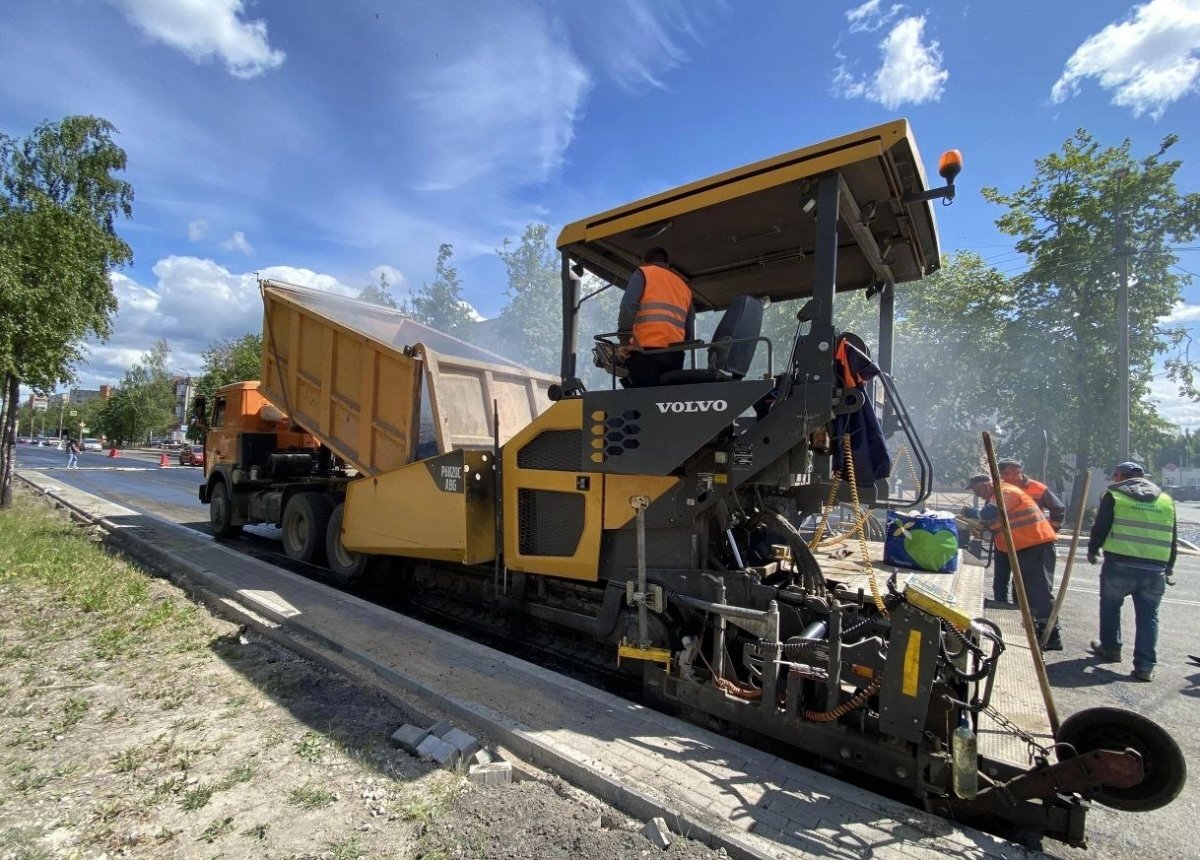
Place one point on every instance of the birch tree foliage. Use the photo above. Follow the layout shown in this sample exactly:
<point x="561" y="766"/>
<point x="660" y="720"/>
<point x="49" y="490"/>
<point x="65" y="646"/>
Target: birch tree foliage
<point x="60" y="200"/>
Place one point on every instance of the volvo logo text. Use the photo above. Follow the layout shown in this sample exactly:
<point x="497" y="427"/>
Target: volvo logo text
<point x="692" y="406"/>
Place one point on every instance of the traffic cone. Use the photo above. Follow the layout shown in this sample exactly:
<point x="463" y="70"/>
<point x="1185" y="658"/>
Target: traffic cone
<point x="112" y="452"/>
<point x="163" y="461"/>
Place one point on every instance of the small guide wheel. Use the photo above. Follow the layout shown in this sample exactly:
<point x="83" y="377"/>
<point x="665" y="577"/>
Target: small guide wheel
<point x="1118" y="729"/>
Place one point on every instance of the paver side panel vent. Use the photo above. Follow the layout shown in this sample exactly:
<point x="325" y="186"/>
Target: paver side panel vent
<point x="549" y="523"/>
<point x="553" y="450"/>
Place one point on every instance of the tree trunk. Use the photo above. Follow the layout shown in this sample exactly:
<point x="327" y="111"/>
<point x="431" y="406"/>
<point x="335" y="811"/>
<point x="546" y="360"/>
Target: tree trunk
<point x="9" y="443"/>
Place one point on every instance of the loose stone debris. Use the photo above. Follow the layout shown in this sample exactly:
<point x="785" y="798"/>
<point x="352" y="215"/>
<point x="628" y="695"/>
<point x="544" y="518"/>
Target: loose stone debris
<point x="658" y="833"/>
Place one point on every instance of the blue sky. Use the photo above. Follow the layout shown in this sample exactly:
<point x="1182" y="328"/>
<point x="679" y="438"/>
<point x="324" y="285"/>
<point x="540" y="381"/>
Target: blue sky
<point x="325" y="141"/>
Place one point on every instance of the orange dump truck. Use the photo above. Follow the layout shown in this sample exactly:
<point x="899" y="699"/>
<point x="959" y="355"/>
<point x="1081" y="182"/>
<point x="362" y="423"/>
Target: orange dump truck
<point x="352" y="395"/>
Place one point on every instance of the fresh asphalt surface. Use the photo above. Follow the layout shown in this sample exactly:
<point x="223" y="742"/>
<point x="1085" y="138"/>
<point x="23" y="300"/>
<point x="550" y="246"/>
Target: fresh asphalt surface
<point x="1173" y="700"/>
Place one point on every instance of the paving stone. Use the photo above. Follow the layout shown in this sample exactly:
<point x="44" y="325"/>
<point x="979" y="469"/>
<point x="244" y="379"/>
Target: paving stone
<point x="466" y="744"/>
<point x="409" y="737"/>
<point x="482" y="757"/>
<point x="658" y="833"/>
<point x="438" y="730"/>
<point x="495" y="773"/>
<point x="437" y="750"/>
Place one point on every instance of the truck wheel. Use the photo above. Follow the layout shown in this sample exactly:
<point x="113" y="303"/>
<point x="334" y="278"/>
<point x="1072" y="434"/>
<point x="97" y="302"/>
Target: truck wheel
<point x="220" y="512"/>
<point x="304" y="522"/>
<point x="346" y="565"/>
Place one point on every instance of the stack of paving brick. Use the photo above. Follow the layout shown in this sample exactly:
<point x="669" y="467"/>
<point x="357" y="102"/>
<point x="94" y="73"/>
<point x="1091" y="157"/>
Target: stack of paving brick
<point x="453" y="749"/>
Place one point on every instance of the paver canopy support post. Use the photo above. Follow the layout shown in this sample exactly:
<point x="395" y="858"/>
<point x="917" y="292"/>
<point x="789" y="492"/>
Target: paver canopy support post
<point x="1039" y="664"/>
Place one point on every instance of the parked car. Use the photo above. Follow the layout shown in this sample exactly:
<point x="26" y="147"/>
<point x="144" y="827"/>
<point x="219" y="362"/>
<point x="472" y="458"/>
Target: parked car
<point x="192" y="455"/>
<point x="91" y="445"/>
<point x="25" y="440"/>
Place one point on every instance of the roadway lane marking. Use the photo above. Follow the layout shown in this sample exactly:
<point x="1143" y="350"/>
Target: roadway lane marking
<point x="1171" y="600"/>
<point x="91" y="468"/>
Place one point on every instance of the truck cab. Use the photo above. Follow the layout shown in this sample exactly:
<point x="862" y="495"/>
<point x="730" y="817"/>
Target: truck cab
<point x="242" y="416"/>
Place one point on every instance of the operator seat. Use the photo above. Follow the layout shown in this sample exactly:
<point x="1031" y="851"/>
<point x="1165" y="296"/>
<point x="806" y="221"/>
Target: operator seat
<point x="742" y="321"/>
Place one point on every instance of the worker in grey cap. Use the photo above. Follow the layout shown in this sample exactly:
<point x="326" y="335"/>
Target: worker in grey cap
<point x="1135" y="526"/>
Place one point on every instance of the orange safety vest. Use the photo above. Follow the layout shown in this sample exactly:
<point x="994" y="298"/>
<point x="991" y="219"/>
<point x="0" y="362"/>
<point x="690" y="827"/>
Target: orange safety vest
<point x="1034" y="489"/>
<point x="661" y="318"/>
<point x="1028" y="524"/>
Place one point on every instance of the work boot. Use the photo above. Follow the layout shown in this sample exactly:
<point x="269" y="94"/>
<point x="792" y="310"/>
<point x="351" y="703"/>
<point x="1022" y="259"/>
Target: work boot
<point x="1108" y="655"/>
<point x="1146" y="675"/>
<point x="1054" y="643"/>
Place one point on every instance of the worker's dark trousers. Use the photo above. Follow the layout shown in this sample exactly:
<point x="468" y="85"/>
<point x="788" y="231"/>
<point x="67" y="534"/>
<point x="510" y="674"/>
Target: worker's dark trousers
<point x="1001" y="578"/>
<point x="1037" y="571"/>
<point x="645" y="367"/>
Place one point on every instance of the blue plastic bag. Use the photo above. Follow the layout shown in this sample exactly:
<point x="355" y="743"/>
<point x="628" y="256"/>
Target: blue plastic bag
<point x="923" y="541"/>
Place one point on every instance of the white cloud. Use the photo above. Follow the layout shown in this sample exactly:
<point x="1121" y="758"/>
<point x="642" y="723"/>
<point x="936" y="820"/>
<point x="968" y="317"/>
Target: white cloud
<point x="911" y="71"/>
<point x="197" y="229"/>
<point x="869" y="17"/>
<point x="1172" y="406"/>
<point x="471" y="312"/>
<point x="505" y="106"/>
<point x="202" y="29"/>
<point x="395" y="277"/>
<point x="1181" y="312"/>
<point x="193" y="304"/>
<point x="1147" y="61"/>
<point x="237" y="242"/>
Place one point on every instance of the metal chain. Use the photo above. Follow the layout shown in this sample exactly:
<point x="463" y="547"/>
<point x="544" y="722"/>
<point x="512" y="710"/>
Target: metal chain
<point x="1036" y="750"/>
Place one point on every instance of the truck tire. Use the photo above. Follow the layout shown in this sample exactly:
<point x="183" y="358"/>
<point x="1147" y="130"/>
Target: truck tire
<point x="220" y="512"/>
<point x="346" y="565"/>
<point x="305" y="520"/>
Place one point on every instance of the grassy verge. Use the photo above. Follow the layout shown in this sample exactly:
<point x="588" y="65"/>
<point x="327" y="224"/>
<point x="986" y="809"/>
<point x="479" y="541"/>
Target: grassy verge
<point x="135" y="724"/>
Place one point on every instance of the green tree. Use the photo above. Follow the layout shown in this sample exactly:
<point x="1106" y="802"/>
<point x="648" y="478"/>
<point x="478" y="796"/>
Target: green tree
<point x="531" y="321"/>
<point x="144" y="404"/>
<point x="233" y="360"/>
<point x="1061" y="358"/>
<point x="951" y="330"/>
<point x="379" y="293"/>
<point x="440" y="304"/>
<point x="59" y="202"/>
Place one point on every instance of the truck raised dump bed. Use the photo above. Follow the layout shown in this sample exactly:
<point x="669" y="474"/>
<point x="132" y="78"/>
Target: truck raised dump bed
<point x="674" y="526"/>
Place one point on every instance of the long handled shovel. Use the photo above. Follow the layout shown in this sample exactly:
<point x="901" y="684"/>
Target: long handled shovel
<point x="1039" y="664"/>
<point x="1066" y="577"/>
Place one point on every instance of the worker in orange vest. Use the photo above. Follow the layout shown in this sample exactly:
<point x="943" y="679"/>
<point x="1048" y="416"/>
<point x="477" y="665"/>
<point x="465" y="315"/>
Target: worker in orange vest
<point x="1012" y="472"/>
<point x="1033" y="538"/>
<point x="656" y="312"/>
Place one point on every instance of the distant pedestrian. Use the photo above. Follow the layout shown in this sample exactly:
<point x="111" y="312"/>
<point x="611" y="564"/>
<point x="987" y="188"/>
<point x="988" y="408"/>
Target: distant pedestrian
<point x="1135" y="526"/>
<point x="72" y="454"/>
<point x="1033" y="540"/>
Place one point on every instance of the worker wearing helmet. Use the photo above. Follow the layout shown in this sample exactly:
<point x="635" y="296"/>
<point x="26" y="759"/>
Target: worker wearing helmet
<point x="1135" y="526"/>
<point x="656" y="312"/>
<point x="1033" y="540"/>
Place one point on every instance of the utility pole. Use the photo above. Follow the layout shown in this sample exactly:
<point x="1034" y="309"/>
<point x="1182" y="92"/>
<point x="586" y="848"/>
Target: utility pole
<point x="1122" y="250"/>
